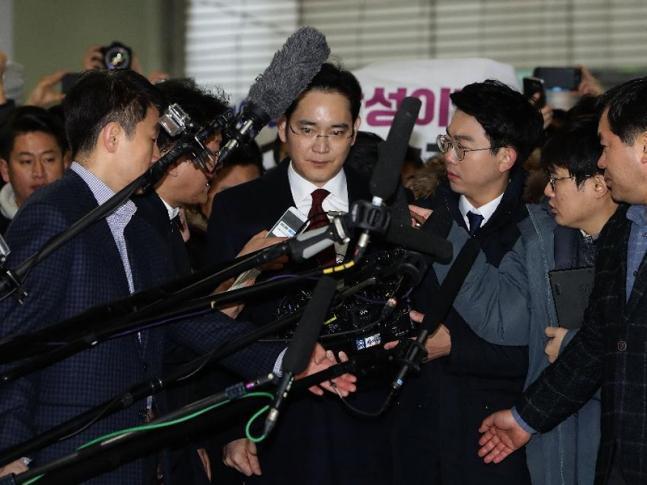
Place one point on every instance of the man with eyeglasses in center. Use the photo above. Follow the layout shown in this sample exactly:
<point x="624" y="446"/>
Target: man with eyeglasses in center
<point x="492" y="132"/>
<point x="313" y="442"/>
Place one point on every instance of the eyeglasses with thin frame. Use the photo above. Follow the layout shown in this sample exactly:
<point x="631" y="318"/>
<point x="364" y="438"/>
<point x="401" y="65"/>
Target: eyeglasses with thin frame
<point x="446" y="143"/>
<point x="552" y="180"/>
<point x="333" y="135"/>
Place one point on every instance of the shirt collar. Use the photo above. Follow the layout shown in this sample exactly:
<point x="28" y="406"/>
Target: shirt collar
<point x="302" y="188"/>
<point x="486" y="210"/>
<point x="638" y="214"/>
<point x="102" y="192"/>
<point x="172" y="211"/>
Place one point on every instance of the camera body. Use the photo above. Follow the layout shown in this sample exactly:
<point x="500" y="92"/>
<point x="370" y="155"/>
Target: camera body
<point x="116" y="56"/>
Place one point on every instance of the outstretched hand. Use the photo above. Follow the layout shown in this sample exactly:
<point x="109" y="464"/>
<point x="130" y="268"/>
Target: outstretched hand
<point x="46" y="92"/>
<point x="320" y="360"/>
<point x="502" y="435"/>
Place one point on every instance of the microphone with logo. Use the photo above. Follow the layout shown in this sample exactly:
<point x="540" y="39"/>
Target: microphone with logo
<point x="302" y="344"/>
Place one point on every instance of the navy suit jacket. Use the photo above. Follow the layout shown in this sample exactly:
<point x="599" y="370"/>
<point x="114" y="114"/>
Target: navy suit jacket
<point x="317" y="440"/>
<point x="85" y="272"/>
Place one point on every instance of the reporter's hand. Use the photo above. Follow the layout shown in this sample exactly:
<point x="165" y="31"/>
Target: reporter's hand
<point x="502" y="435"/>
<point x="241" y="455"/>
<point x="46" y="92"/>
<point x="260" y="241"/>
<point x="546" y="111"/>
<point x="92" y="58"/>
<point x="320" y="360"/>
<point x="556" y="337"/>
<point x="206" y="463"/>
<point x="589" y="85"/>
<point x="156" y="77"/>
<point x="15" y="467"/>
<point x="419" y="215"/>
<point x="438" y="344"/>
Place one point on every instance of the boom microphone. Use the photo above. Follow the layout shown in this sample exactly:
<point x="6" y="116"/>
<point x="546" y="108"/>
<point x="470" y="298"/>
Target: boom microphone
<point x="289" y="73"/>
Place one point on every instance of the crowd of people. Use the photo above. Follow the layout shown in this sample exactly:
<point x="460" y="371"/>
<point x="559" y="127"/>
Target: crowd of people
<point x="508" y="392"/>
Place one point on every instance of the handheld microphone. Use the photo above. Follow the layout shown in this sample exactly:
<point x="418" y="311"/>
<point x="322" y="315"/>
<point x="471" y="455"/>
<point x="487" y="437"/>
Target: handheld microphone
<point x="289" y="73"/>
<point x="390" y="157"/>
<point x="298" y="353"/>
<point x="310" y="243"/>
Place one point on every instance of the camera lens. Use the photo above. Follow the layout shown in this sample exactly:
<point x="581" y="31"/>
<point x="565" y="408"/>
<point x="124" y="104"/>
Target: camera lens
<point x="117" y="56"/>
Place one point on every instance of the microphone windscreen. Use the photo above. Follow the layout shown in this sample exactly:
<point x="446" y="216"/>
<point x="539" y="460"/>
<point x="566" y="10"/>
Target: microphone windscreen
<point x="391" y="153"/>
<point x="290" y="72"/>
<point x="298" y="354"/>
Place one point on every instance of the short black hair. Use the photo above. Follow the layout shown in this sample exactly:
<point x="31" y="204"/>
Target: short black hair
<point x="507" y="116"/>
<point x="28" y="119"/>
<point x="201" y="105"/>
<point x="362" y="156"/>
<point x="334" y="79"/>
<point x="627" y="105"/>
<point x="100" y="97"/>
<point x="247" y="154"/>
<point x="575" y="147"/>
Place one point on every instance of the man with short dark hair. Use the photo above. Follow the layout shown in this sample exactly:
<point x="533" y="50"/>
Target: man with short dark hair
<point x="492" y="132"/>
<point x="32" y="155"/>
<point x="317" y="442"/>
<point x="112" y="125"/>
<point x="609" y="349"/>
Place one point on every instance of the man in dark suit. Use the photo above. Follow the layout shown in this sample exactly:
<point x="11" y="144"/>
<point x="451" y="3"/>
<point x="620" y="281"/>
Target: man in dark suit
<point x="610" y="348"/>
<point x="111" y="123"/>
<point x="319" y="129"/>
<point x="492" y="132"/>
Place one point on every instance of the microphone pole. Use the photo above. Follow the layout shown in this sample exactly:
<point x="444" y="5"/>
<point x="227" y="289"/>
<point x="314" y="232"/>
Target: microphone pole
<point x="12" y="279"/>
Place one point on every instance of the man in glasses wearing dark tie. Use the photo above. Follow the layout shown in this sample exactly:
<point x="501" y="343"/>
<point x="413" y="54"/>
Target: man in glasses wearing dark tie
<point x="491" y="134"/>
<point x="316" y="441"/>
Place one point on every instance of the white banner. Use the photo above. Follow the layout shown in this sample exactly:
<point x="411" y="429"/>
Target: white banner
<point x="386" y="84"/>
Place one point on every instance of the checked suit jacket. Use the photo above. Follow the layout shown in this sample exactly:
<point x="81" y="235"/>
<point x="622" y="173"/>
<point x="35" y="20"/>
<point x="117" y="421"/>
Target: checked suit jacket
<point x="85" y="272"/>
<point x="610" y="350"/>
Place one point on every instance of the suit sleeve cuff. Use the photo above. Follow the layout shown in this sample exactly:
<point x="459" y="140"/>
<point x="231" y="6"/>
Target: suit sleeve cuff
<point x="520" y="421"/>
<point x="279" y="363"/>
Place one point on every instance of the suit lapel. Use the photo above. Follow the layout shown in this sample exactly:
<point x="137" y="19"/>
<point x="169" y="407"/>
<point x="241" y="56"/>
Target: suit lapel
<point x="276" y="195"/>
<point x="105" y="247"/>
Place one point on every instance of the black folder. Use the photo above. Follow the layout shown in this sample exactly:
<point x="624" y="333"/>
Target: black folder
<point x="571" y="290"/>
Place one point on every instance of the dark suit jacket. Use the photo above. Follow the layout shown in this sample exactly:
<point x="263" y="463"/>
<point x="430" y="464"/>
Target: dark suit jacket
<point x="441" y="409"/>
<point x="609" y="350"/>
<point x="85" y="272"/>
<point x="316" y="441"/>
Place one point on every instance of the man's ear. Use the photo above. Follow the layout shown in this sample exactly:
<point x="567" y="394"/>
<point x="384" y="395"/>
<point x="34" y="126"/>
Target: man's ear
<point x="4" y="170"/>
<point x="506" y="156"/>
<point x="110" y="136"/>
<point x="356" y="126"/>
<point x="642" y="139"/>
<point x="282" y="128"/>
<point x="599" y="186"/>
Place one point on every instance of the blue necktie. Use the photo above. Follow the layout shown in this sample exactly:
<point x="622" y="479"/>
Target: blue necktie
<point x="475" y="221"/>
